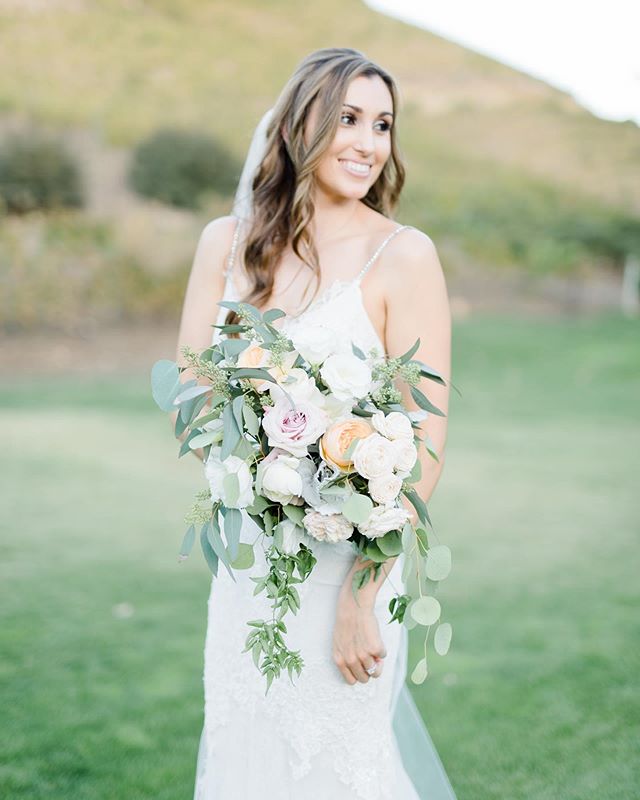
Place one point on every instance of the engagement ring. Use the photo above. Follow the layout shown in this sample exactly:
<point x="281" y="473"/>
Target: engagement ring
<point x="371" y="669"/>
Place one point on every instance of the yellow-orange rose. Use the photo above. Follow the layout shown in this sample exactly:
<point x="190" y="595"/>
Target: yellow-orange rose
<point x="253" y="357"/>
<point x="339" y="437"/>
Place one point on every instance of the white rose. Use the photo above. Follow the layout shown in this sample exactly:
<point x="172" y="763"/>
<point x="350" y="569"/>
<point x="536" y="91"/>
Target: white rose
<point x="327" y="528"/>
<point x="374" y="457"/>
<point x="300" y="387"/>
<point x="216" y="471"/>
<point x="315" y="343"/>
<point x="292" y="537"/>
<point x="405" y="456"/>
<point x="385" y="489"/>
<point x="382" y="520"/>
<point x="394" y="426"/>
<point x="281" y="481"/>
<point x="294" y="428"/>
<point x="347" y="376"/>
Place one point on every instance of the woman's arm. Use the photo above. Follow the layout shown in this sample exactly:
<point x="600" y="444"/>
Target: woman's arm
<point x="417" y="306"/>
<point x="204" y="289"/>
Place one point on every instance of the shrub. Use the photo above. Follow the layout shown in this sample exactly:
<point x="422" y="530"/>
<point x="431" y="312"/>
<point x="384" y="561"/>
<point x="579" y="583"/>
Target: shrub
<point x="177" y="167"/>
<point x="37" y="172"/>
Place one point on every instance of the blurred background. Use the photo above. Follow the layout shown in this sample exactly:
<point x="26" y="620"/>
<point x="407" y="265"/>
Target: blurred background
<point x="123" y="128"/>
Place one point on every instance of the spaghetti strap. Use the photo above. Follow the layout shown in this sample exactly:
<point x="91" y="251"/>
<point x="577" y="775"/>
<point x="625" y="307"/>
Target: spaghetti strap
<point x="232" y="254"/>
<point x="371" y="261"/>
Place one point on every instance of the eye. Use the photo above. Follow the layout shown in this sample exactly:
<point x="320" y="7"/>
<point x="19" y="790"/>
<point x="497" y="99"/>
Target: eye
<point x="385" y="125"/>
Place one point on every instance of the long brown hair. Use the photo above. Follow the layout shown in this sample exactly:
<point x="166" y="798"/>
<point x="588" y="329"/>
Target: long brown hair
<point x="282" y="188"/>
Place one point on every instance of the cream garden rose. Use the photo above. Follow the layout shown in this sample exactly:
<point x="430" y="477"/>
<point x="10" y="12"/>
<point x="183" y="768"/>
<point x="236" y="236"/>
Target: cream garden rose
<point x="384" y="490"/>
<point x="327" y="527"/>
<point x="315" y="343"/>
<point x="347" y="376"/>
<point x="405" y="456"/>
<point x="216" y="471"/>
<point x="382" y="520"/>
<point x="374" y="457"/>
<point x="393" y="426"/>
<point x="339" y="437"/>
<point x="281" y="480"/>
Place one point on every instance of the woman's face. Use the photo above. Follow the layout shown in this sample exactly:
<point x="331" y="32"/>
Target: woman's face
<point x="362" y="144"/>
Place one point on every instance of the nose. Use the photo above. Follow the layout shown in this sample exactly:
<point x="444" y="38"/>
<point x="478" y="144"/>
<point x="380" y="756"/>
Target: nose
<point x="365" y="141"/>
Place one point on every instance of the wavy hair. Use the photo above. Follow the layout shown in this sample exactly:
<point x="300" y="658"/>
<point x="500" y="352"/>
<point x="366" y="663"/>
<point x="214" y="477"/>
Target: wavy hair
<point x="282" y="189"/>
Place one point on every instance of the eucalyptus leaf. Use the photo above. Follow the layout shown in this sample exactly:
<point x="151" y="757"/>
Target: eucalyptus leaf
<point x="372" y="551"/>
<point x="253" y="372"/>
<point x="215" y="540"/>
<point x="430" y="373"/>
<point x="419" y="673"/>
<point x="208" y="552"/>
<point x="390" y="544"/>
<point x="357" y="508"/>
<point x="245" y="558"/>
<point x="258" y="506"/>
<point x="438" y="562"/>
<point x="442" y="639"/>
<point x="418" y="503"/>
<point x="425" y="610"/>
<point x="410" y="352"/>
<point x="425" y="403"/>
<point x="251" y="421"/>
<point x="294" y="513"/>
<point x="236" y="405"/>
<point x="190" y="393"/>
<point x="233" y="347"/>
<point x="231" y="486"/>
<point x="273" y="314"/>
<point x="165" y="383"/>
<point x="231" y="433"/>
<point x="186" y="445"/>
<point x="187" y="542"/>
<point x="358" y="352"/>
<point x="203" y="439"/>
<point x="232" y="528"/>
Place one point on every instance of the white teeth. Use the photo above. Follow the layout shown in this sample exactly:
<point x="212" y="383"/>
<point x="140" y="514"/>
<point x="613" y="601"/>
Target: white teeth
<point x="360" y="169"/>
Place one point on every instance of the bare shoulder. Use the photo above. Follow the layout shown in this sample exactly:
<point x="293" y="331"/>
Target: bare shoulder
<point x="410" y="260"/>
<point x="214" y="245"/>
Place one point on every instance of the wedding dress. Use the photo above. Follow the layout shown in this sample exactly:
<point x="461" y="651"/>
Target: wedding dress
<point x="319" y="738"/>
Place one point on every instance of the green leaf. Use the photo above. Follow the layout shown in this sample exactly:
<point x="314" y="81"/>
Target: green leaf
<point x="390" y="544"/>
<point x="294" y="513"/>
<point x="203" y="439"/>
<point x="258" y="506"/>
<point x="187" y="542"/>
<point x="442" y="639"/>
<point x="231" y="487"/>
<point x="208" y="552"/>
<point x="418" y="503"/>
<point x="252" y="372"/>
<point x="410" y="352"/>
<point x="357" y="508"/>
<point x="416" y="472"/>
<point x="237" y="405"/>
<point x="231" y="434"/>
<point x="251" y="421"/>
<point x="190" y="393"/>
<point x="372" y="551"/>
<point x="215" y="540"/>
<point x="419" y="673"/>
<point x="273" y="314"/>
<point x="430" y="373"/>
<point x="245" y="558"/>
<point x="438" y="562"/>
<point x="231" y="328"/>
<point x="425" y="403"/>
<point x="232" y="528"/>
<point x="186" y="445"/>
<point x="425" y="610"/>
<point x="165" y="383"/>
<point x="233" y="347"/>
<point x="358" y="352"/>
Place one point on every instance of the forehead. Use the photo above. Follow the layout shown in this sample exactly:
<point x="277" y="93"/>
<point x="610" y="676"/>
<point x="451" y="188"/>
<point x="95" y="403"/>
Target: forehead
<point x="369" y="92"/>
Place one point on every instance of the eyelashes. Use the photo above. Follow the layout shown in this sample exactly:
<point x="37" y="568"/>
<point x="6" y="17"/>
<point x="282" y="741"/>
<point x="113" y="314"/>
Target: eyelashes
<point x="386" y="128"/>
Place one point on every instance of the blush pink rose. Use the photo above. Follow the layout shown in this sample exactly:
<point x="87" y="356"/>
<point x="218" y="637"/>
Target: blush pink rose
<point x="294" y="428"/>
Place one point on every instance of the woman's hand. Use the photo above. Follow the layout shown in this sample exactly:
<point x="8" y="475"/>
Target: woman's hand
<point x="357" y="643"/>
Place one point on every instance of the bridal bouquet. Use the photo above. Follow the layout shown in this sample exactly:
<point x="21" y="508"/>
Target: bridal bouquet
<point x="311" y="441"/>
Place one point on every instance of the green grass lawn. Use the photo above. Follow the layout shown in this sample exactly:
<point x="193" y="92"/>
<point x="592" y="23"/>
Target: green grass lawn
<point x="102" y="632"/>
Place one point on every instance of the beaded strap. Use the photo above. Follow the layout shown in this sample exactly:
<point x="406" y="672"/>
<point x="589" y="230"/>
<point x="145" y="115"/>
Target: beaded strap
<point x="234" y="247"/>
<point x="371" y="261"/>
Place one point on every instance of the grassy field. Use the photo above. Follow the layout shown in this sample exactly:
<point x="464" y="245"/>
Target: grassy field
<point x="101" y="631"/>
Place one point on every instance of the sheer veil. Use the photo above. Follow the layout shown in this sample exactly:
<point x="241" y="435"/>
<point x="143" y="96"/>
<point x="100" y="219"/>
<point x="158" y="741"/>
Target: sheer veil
<point x="416" y="748"/>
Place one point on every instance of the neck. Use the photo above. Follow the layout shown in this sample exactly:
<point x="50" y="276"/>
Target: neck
<point x="331" y="217"/>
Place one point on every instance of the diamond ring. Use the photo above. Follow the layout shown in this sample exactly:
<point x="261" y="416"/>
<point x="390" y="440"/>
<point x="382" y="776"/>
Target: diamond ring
<point x="371" y="669"/>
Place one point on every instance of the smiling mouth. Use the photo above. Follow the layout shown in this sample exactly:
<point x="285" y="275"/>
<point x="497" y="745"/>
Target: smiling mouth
<point x="353" y="168"/>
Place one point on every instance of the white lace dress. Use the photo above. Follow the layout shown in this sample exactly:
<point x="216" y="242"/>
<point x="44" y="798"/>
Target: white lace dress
<point x="322" y="738"/>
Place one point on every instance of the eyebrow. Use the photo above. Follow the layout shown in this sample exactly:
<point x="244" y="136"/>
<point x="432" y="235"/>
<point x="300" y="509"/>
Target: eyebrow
<point x="357" y="108"/>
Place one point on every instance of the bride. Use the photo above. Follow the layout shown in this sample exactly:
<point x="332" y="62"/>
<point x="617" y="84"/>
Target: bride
<point x="311" y="233"/>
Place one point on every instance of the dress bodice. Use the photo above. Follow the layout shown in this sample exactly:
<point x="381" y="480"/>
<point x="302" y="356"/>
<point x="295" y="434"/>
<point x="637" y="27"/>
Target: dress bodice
<point x="340" y="308"/>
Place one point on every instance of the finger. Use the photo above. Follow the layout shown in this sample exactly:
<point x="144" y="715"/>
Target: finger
<point x="345" y="671"/>
<point x="357" y="667"/>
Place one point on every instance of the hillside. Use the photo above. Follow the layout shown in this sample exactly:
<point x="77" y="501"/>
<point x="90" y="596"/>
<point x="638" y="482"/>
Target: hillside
<point x="504" y="171"/>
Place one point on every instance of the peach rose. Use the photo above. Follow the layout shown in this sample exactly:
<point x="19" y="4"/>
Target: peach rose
<point x="339" y="437"/>
<point x="256" y="357"/>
